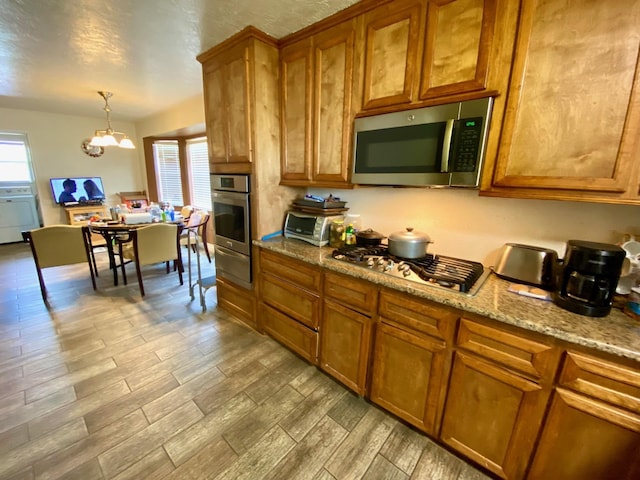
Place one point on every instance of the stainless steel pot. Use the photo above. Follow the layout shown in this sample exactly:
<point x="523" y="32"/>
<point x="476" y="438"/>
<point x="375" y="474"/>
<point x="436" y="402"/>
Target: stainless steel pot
<point x="409" y="244"/>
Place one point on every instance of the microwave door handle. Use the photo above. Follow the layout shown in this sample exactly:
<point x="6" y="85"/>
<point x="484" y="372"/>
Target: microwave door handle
<point x="446" y="146"/>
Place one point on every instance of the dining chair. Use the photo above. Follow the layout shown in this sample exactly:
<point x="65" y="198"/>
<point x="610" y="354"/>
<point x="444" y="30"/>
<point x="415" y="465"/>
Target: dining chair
<point x="186" y="212"/>
<point x="155" y="243"/>
<point x="200" y="223"/>
<point x="58" y="245"/>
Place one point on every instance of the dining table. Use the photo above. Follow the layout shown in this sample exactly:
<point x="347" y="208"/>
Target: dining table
<point x="117" y="232"/>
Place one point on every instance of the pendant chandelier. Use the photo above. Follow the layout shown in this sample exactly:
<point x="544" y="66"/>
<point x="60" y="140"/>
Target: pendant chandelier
<point x="109" y="137"/>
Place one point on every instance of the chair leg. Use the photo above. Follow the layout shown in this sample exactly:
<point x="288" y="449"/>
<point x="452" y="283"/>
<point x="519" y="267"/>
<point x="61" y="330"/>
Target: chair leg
<point x="43" y="289"/>
<point x="122" y="263"/>
<point x="139" y="273"/>
<point x="93" y="260"/>
<point x="206" y="249"/>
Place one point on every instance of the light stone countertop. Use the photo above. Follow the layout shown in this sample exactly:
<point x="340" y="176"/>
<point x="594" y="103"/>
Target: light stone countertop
<point x="616" y="333"/>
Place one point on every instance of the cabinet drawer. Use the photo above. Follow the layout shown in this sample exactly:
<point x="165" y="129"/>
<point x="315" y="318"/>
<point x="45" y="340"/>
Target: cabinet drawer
<point x="616" y="384"/>
<point x="418" y="315"/>
<point x="295" y="302"/>
<point x="238" y="301"/>
<point x="528" y="356"/>
<point x="299" y="273"/>
<point x="356" y="294"/>
<point x="290" y="333"/>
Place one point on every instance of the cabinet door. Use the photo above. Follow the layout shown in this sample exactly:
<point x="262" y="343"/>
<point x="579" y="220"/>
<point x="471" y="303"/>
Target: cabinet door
<point x="296" y="78"/>
<point x="238" y="114"/>
<point x="216" y="113"/>
<point x="573" y="113"/>
<point x="393" y="35"/>
<point x="345" y="341"/>
<point x="585" y="438"/>
<point x="333" y="52"/>
<point x="458" y="43"/>
<point x="492" y="415"/>
<point x="409" y="376"/>
<point x="226" y="90"/>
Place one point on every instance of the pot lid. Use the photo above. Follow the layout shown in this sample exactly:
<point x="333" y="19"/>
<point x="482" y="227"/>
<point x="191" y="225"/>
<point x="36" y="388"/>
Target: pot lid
<point x="370" y="234"/>
<point x="409" y="236"/>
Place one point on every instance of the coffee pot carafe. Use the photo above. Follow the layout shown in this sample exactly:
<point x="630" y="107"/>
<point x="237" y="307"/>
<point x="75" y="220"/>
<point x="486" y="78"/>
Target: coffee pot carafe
<point x="588" y="277"/>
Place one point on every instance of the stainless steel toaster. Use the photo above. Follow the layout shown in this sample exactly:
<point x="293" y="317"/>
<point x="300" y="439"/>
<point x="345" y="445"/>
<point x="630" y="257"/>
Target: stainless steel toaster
<point x="527" y="264"/>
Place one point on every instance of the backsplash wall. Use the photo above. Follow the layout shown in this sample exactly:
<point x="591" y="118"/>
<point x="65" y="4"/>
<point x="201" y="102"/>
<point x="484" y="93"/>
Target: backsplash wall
<point x="463" y="224"/>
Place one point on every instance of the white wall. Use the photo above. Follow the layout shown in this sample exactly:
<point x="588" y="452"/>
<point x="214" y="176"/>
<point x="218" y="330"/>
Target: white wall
<point x="188" y="115"/>
<point x="55" y="140"/>
<point x="465" y="225"/>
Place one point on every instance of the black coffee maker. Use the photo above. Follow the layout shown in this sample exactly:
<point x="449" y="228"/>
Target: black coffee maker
<point x="588" y="277"/>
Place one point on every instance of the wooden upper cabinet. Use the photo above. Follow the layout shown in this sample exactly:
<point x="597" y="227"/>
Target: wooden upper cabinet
<point x="458" y="43"/>
<point x="240" y="79"/>
<point x="417" y="50"/>
<point x="573" y="111"/>
<point x="316" y="107"/>
<point x="296" y="102"/>
<point x="226" y="86"/>
<point x="393" y="35"/>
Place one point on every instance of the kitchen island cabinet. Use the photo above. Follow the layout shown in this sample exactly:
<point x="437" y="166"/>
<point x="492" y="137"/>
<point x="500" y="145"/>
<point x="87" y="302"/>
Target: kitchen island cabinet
<point x="316" y="107"/>
<point x="593" y="426"/>
<point x="346" y="329"/>
<point x="412" y="358"/>
<point x="573" y="107"/>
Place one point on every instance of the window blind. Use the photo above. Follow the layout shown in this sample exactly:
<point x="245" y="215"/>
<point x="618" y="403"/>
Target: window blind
<point x="198" y="158"/>
<point x="15" y="164"/>
<point x="167" y="163"/>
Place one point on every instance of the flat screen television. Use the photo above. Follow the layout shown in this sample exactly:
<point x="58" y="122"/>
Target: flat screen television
<point x="77" y="190"/>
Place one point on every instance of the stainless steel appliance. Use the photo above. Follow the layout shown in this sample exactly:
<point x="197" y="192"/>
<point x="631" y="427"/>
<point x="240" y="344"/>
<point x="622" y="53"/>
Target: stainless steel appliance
<point x="439" y="146"/>
<point x="587" y="281"/>
<point x="232" y="223"/>
<point x="527" y="264"/>
<point x="310" y="227"/>
<point x="454" y="274"/>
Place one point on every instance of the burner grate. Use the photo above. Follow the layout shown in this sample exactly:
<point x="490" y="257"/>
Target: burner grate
<point x="433" y="269"/>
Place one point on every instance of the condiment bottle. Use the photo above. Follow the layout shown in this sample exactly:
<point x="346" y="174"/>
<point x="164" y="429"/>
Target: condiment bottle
<point x="350" y="235"/>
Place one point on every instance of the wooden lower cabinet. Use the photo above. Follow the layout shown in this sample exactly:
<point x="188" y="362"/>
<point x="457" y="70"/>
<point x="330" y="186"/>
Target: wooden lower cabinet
<point x="593" y="426"/>
<point x="412" y="358"/>
<point x="238" y="301"/>
<point x="346" y="329"/>
<point x="492" y="415"/>
<point x="409" y="375"/>
<point x="290" y="302"/>
<point x="498" y="394"/>
<point x="345" y="341"/>
<point x="290" y="333"/>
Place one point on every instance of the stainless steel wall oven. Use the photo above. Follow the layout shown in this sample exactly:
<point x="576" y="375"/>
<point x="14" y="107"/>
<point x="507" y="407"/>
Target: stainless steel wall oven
<point x="232" y="223"/>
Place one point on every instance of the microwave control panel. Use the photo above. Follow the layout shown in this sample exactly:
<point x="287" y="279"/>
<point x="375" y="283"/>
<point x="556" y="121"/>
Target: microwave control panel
<point x="466" y="145"/>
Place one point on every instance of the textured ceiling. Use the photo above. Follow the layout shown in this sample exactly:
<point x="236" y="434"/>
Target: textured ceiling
<point x="56" y="54"/>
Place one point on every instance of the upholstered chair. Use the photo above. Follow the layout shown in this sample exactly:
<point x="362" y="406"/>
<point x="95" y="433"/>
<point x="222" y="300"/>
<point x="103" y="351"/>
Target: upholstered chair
<point x="59" y="245"/>
<point x="155" y="243"/>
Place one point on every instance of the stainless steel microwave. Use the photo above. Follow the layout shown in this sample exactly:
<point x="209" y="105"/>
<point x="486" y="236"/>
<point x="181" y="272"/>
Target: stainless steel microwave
<point x="439" y="146"/>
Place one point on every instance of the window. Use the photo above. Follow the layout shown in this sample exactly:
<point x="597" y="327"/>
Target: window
<point x="198" y="160"/>
<point x="178" y="170"/>
<point x="15" y="164"/>
<point x="167" y="166"/>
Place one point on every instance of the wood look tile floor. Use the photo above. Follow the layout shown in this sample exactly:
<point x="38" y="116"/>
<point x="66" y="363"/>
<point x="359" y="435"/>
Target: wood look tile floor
<point x="107" y="385"/>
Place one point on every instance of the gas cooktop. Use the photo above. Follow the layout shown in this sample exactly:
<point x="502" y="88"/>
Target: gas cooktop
<point x="449" y="273"/>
